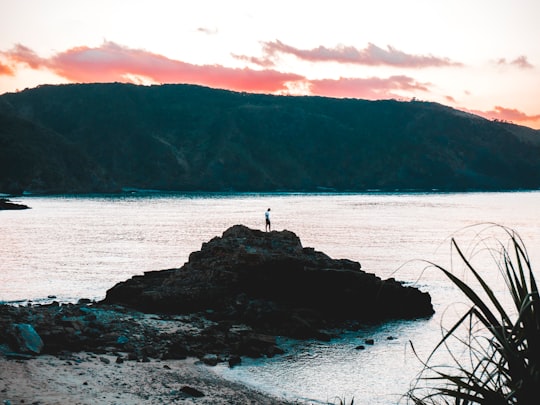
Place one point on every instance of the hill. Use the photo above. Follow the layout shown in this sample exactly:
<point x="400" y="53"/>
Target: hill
<point x="105" y="137"/>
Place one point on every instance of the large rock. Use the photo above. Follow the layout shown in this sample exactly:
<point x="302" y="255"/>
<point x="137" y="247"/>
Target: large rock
<point x="28" y="340"/>
<point x="268" y="280"/>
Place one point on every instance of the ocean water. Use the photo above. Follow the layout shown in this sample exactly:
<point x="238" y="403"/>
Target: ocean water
<point x="71" y="247"/>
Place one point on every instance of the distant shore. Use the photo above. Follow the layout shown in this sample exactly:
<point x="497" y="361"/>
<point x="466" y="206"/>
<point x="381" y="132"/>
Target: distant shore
<point x="6" y="204"/>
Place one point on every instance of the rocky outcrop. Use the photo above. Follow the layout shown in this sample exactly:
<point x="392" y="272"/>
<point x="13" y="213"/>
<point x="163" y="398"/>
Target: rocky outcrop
<point x="231" y="299"/>
<point x="6" y="204"/>
<point x="271" y="283"/>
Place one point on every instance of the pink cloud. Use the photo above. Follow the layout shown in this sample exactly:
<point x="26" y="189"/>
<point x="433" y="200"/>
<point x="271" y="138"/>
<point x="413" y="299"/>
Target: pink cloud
<point x="112" y="62"/>
<point x="372" y="55"/>
<point x="511" y="114"/>
<point x="520" y="62"/>
<point x="5" y="70"/>
<point x="24" y="55"/>
<point x="507" y="114"/>
<point x="450" y="99"/>
<point x="264" y="61"/>
<point x="19" y="55"/>
<point x="371" y="88"/>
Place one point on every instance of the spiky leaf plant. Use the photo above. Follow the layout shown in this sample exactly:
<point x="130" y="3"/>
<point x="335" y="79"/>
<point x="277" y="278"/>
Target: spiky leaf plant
<point x="497" y="358"/>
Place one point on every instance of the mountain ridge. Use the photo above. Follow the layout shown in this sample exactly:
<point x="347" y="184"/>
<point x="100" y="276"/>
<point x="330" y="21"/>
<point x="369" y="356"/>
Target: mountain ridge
<point x="105" y="137"/>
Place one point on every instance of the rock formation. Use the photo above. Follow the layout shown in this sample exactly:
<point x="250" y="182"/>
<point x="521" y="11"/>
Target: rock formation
<point x="6" y="204"/>
<point x="231" y="299"/>
<point x="272" y="283"/>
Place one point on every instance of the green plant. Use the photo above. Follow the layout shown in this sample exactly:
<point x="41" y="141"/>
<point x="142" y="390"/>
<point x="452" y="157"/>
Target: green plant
<point x="495" y="346"/>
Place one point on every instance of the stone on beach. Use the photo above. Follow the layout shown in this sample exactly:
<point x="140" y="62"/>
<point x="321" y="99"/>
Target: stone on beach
<point x="28" y="340"/>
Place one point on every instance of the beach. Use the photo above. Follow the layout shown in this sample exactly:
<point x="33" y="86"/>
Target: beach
<point x="87" y="378"/>
<point x="132" y="361"/>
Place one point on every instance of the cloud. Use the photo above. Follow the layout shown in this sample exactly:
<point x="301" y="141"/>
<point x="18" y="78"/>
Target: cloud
<point x="372" y="55"/>
<point x="111" y="62"/>
<point x="507" y="114"/>
<point x="450" y="99"/>
<point x="208" y="31"/>
<point x="6" y="70"/>
<point x="370" y="88"/>
<point x="23" y="55"/>
<point x="265" y="61"/>
<point x="511" y="114"/>
<point x="520" y="62"/>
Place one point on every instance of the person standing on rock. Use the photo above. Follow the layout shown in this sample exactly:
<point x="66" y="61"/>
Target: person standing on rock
<point x="267" y="220"/>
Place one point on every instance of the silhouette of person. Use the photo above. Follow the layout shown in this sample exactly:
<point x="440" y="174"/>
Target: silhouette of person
<point x="267" y="220"/>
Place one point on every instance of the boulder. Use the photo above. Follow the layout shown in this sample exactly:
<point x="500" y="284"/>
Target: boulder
<point x="28" y="340"/>
<point x="192" y="392"/>
<point x="268" y="280"/>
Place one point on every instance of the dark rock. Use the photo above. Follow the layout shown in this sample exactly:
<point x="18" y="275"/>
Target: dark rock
<point x="369" y="342"/>
<point x="257" y="345"/>
<point x="5" y="204"/>
<point x="360" y="347"/>
<point x="28" y="340"/>
<point x="234" y="361"/>
<point x="132" y="356"/>
<point x="210" y="359"/>
<point x="193" y="392"/>
<point x="175" y="351"/>
<point x="83" y="301"/>
<point x="270" y="282"/>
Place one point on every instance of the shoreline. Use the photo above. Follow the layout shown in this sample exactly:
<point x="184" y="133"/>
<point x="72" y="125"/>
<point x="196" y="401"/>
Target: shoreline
<point x="88" y="378"/>
<point x="135" y="358"/>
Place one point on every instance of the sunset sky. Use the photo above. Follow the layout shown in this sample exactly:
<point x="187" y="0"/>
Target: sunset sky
<point x="481" y="56"/>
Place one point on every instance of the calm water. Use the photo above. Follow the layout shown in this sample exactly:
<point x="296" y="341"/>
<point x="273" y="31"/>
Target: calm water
<point x="72" y="247"/>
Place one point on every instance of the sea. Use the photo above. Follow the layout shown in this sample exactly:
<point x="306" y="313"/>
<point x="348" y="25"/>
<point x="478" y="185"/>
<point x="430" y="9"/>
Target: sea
<point x="68" y="247"/>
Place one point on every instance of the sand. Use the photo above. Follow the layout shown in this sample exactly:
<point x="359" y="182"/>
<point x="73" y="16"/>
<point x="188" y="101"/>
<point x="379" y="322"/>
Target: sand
<point x="86" y="378"/>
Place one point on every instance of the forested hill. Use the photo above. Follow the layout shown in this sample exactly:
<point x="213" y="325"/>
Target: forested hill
<point x="105" y="137"/>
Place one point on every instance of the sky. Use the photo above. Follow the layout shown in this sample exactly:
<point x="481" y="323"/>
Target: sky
<point x="480" y="56"/>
